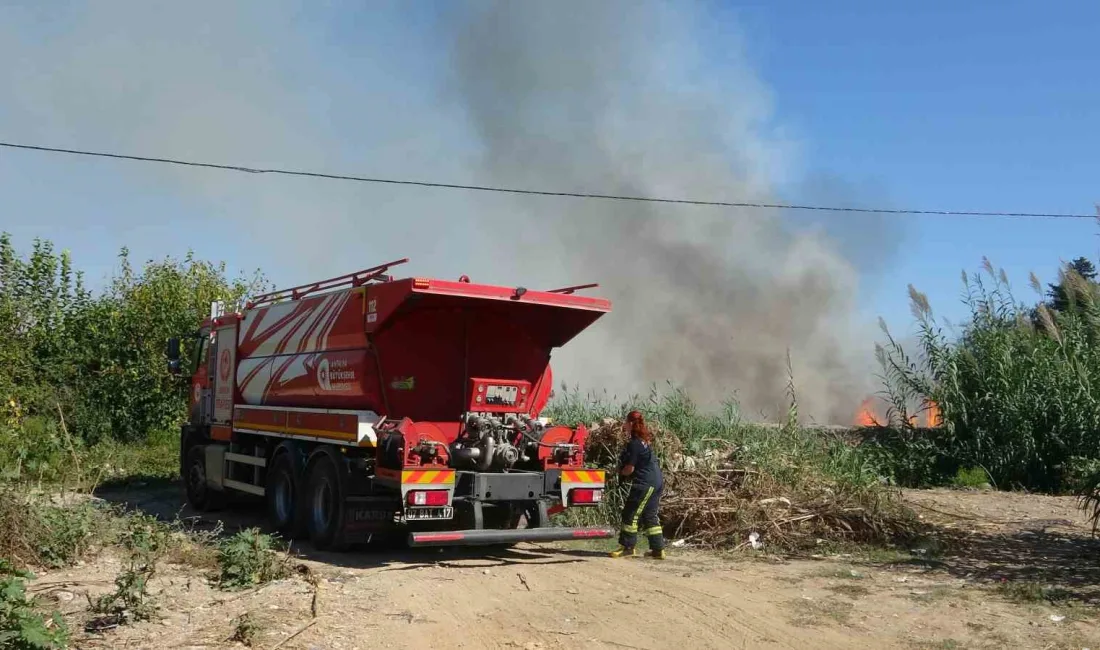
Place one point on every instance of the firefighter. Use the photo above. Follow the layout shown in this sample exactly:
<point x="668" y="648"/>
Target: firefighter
<point x="638" y="463"/>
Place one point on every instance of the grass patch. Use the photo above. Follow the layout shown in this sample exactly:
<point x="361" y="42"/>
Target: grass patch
<point x="811" y="613"/>
<point x="851" y="591"/>
<point x="940" y="644"/>
<point x="938" y="592"/>
<point x="970" y="477"/>
<point x="54" y="533"/>
<point x="840" y="573"/>
<point x="114" y="463"/>
<point x="39" y="532"/>
<point x="1033" y="592"/>
<point x="43" y="454"/>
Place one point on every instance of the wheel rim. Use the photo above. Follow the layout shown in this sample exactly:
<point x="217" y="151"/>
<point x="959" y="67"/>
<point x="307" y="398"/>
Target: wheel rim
<point x="284" y="498"/>
<point x="322" y="506"/>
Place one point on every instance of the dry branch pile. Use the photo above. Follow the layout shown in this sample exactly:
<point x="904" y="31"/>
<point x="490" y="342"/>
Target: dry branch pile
<point x="721" y="497"/>
<point x="722" y="508"/>
<point x="607" y="438"/>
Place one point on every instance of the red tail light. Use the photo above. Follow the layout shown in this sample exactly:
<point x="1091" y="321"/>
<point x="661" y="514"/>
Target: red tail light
<point x="585" y="496"/>
<point x="427" y="498"/>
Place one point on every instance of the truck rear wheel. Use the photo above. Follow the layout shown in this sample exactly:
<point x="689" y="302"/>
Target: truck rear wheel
<point x="285" y="500"/>
<point x="325" y="503"/>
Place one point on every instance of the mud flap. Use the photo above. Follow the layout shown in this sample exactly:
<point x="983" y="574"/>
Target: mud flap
<point x="366" y="518"/>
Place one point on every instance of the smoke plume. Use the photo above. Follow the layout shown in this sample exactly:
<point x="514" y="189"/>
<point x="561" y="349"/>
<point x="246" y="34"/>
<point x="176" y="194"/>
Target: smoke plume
<point x="612" y="97"/>
<point x="615" y="96"/>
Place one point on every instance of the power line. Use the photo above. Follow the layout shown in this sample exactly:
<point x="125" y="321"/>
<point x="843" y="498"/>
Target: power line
<point x="579" y="195"/>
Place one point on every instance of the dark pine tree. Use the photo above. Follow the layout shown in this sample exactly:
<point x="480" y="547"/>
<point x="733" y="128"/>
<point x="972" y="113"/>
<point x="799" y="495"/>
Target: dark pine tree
<point x="1058" y="300"/>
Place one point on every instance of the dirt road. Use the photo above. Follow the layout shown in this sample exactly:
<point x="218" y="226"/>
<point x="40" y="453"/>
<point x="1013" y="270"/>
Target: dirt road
<point x="572" y="597"/>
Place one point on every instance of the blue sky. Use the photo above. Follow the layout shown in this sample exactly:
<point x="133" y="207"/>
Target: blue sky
<point x="945" y="105"/>
<point x="940" y="105"/>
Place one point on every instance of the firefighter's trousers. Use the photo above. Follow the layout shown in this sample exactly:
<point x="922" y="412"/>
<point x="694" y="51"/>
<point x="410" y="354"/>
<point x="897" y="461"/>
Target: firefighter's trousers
<point x="640" y="515"/>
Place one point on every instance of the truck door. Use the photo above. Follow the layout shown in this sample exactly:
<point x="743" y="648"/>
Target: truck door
<point x="202" y="403"/>
<point x="225" y="373"/>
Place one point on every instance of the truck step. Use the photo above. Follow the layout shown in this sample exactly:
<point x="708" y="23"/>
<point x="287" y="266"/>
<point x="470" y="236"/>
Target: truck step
<point x="246" y="460"/>
<point x="478" y="537"/>
<point x="243" y="487"/>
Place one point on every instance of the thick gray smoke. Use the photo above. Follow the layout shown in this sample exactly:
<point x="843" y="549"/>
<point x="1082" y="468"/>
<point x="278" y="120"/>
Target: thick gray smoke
<point x="611" y="97"/>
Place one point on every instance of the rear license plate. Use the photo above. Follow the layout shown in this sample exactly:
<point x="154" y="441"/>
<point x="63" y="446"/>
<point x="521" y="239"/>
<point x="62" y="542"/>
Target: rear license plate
<point x="419" y="514"/>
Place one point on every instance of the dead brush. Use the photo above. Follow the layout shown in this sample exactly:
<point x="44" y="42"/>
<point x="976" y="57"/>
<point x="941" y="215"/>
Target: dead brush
<point x="606" y="440"/>
<point x="726" y="479"/>
<point x="721" y="508"/>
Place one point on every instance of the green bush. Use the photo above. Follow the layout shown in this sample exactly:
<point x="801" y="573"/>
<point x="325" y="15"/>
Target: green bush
<point x="22" y="624"/>
<point x="130" y="601"/>
<point x="250" y="558"/>
<point x="147" y="540"/>
<point x="40" y="533"/>
<point x="70" y="532"/>
<point x="1018" y="387"/>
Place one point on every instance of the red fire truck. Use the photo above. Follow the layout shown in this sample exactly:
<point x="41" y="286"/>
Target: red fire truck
<point x="363" y="405"/>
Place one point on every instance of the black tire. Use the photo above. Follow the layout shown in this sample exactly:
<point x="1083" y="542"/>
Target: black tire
<point x="199" y="494"/>
<point x="325" y="503"/>
<point x="285" y="504"/>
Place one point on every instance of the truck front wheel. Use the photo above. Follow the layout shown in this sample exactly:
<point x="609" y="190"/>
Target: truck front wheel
<point x="199" y="494"/>
<point x="326" y="509"/>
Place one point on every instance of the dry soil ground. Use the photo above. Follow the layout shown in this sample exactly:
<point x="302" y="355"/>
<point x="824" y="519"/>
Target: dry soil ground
<point x="575" y="597"/>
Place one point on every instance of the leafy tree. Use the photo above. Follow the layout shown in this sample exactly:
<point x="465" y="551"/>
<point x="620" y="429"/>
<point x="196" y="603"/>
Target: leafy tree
<point x="97" y="360"/>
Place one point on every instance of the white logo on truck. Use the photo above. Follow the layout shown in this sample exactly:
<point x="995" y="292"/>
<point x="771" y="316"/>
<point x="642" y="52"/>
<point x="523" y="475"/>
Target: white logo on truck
<point x="335" y="375"/>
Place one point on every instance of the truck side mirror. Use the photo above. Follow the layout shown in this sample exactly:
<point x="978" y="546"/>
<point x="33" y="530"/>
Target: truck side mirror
<point x="172" y="351"/>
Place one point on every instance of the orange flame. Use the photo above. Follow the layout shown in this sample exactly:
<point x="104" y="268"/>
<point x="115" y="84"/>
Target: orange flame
<point x="866" y="415"/>
<point x="929" y="417"/>
<point x="935" y="416"/>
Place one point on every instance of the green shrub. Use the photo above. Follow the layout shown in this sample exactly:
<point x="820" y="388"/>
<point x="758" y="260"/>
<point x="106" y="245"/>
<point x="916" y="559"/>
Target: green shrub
<point x="35" y="451"/>
<point x="1018" y="387"/>
<point x="130" y="601"/>
<point x="250" y="558"/>
<point x="1078" y="470"/>
<point x="22" y="624"/>
<point x="245" y="630"/>
<point x="147" y="540"/>
<point x="40" y="533"/>
<point x="70" y="531"/>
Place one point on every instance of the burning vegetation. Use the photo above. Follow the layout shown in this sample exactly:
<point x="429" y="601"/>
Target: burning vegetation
<point x="874" y="412"/>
